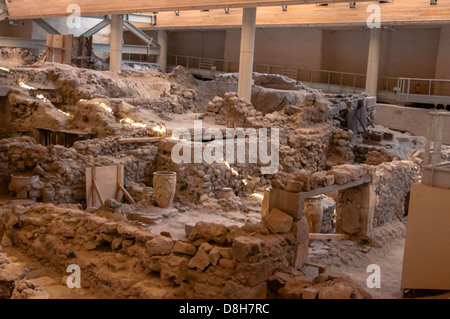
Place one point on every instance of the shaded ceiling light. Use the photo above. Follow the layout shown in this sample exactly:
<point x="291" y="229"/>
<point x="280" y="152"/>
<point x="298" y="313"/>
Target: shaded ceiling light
<point x="177" y="13"/>
<point x="227" y="10"/>
<point x="352" y="5"/>
<point x="284" y="8"/>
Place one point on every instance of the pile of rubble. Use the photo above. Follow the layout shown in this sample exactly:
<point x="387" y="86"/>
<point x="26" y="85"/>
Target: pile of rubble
<point x="11" y="57"/>
<point x="58" y="96"/>
<point x="13" y="284"/>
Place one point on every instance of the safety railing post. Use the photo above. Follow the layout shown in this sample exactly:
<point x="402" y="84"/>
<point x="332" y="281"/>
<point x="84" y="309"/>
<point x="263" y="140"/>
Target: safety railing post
<point x="409" y="87"/>
<point x="329" y="78"/>
<point x="429" y="92"/>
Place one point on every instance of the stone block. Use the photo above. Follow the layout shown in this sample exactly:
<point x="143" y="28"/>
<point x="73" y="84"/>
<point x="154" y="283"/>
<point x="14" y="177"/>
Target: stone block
<point x="293" y="186"/>
<point x="252" y="274"/>
<point x="248" y="249"/>
<point x="175" y="269"/>
<point x="336" y="291"/>
<point x="214" y="255"/>
<point x="278" y="221"/>
<point x="184" y="248"/>
<point x="235" y="290"/>
<point x="301" y="233"/>
<point x="226" y="252"/>
<point x="310" y="293"/>
<point x="200" y="261"/>
<point x="159" y="245"/>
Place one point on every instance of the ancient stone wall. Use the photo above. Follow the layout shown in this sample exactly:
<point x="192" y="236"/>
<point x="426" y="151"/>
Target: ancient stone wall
<point x="392" y="184"/>
<point x="62" y="170"/>
<point x="123" y="260"/>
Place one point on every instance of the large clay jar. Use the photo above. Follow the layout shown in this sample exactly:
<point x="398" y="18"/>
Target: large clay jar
<point x="164" y="186"/>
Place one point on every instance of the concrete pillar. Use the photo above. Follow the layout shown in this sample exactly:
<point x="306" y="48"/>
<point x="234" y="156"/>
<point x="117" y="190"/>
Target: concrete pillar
<point x="162" y="57"/>
<point x="373" y="62"/>
<point x="246" y="56"/>
<point x="115" y="58"/>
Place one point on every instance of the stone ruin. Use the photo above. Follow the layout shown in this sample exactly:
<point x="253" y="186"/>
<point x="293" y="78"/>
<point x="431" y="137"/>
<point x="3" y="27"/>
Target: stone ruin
<point x="256" y="252"/>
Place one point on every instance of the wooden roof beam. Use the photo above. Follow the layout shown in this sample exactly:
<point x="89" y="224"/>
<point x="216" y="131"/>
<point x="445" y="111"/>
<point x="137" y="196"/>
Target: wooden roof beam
<point x="26" y="9"/>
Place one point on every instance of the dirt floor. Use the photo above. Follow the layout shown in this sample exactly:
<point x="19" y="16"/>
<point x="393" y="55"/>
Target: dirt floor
<point x="51" y="280"/>
<point x="390" y="260"/>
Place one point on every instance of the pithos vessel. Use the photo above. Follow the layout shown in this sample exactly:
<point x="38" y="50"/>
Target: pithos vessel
<point x="164" y="186"/>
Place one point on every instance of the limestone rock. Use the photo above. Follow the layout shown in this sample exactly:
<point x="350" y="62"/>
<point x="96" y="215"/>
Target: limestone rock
<point x="235" y="290"/>
<point x="214" y="255"/>
<point x="6" y="242"/>
<point x="301" y="233"/>
<point x="206" y="247"/>
<point x="159" y="245"/>
<point x="200" y="261"/>
<point x="310" y="293"/>
<point x="188" y="228"/>
<point x="175" y="269"/>
<point x="248" y="249"/>
<point x="227" y="263"/>
<point x="293" y="186"/>
<point x="278" y="222"/>
<point x="219" y="233"/>
<point x="184" y="248"/>
<point x="252" y="274"/>
<point x="294" y="287"/>
<point x="336" y="291"/>
<point x="12" y="272"/>
<point x="26" y="289"/>
<point x="260" y="228"/>
<point x="226" y="252"/>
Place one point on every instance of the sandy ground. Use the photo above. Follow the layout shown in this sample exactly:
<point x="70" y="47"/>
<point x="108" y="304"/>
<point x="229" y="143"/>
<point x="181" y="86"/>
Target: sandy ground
<point x="51" y="280"/>
<point x="390" y="260"/>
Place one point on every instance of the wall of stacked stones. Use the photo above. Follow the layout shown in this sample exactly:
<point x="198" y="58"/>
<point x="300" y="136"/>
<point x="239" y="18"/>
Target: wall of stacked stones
<point x="392" y="183"/>
<point x="62" y="170"/>
<point x="214" y="262"/>
<point x="197" y="179"/>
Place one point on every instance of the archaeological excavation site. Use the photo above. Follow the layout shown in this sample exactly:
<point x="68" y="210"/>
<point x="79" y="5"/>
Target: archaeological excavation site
<point x="208" y="150"/>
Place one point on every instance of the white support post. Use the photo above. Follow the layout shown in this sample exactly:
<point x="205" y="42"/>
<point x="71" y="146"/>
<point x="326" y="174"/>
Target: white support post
<point x="247" y="52"/>
<point x="373" y="62"/>
<point x="162" y="57"/>
<point x="116" y="43"/>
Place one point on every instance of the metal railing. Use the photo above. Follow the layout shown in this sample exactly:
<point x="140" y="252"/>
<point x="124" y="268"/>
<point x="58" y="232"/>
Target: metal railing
<point x="333" y="79"/>
<point x="437" y="91"/>
<point x="390" y="88"/>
